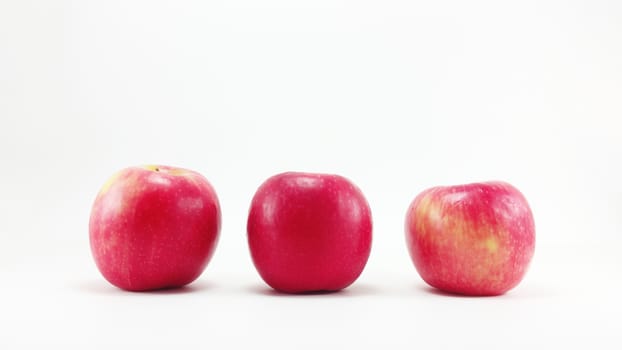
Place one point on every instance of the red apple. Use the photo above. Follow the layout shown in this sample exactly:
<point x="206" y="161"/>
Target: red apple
<point x="475" y="239"/>
<point x="309" y="232"/>
<point x="154" y="227"/>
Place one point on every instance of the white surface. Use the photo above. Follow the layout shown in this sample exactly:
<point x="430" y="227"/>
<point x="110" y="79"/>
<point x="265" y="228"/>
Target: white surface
<point x="396" y="95"/>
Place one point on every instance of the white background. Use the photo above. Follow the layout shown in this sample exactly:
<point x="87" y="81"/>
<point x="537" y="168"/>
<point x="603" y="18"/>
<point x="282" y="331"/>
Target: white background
<point x="397" y="96"/>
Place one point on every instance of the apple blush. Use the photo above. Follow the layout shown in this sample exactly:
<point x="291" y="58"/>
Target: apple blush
<point x="475" y="239"/>
<point x="309" y="232"/>
<point x="154" y="227"/>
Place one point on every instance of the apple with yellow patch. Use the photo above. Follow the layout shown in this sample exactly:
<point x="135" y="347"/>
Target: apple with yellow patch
<point x="475" y="239"/>
<point x="154" y="227"/>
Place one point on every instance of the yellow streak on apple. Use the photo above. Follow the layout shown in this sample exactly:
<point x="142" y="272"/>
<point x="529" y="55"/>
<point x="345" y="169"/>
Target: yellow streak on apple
<point x="492" y="245"/>
<point x="109" y="183"/>
<point x="459" y="236"/>
<point x="423" y="211"/>
<point x="170" y="171"/>
<point x="151" y="167"/>
<point x="490" y="254"/>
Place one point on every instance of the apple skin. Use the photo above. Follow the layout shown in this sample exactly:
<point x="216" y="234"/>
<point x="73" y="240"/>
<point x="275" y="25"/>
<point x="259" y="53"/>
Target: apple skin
<point x="475" y="239"/>
<point x="309" y="232"/>
<point x="154" y="227"/>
